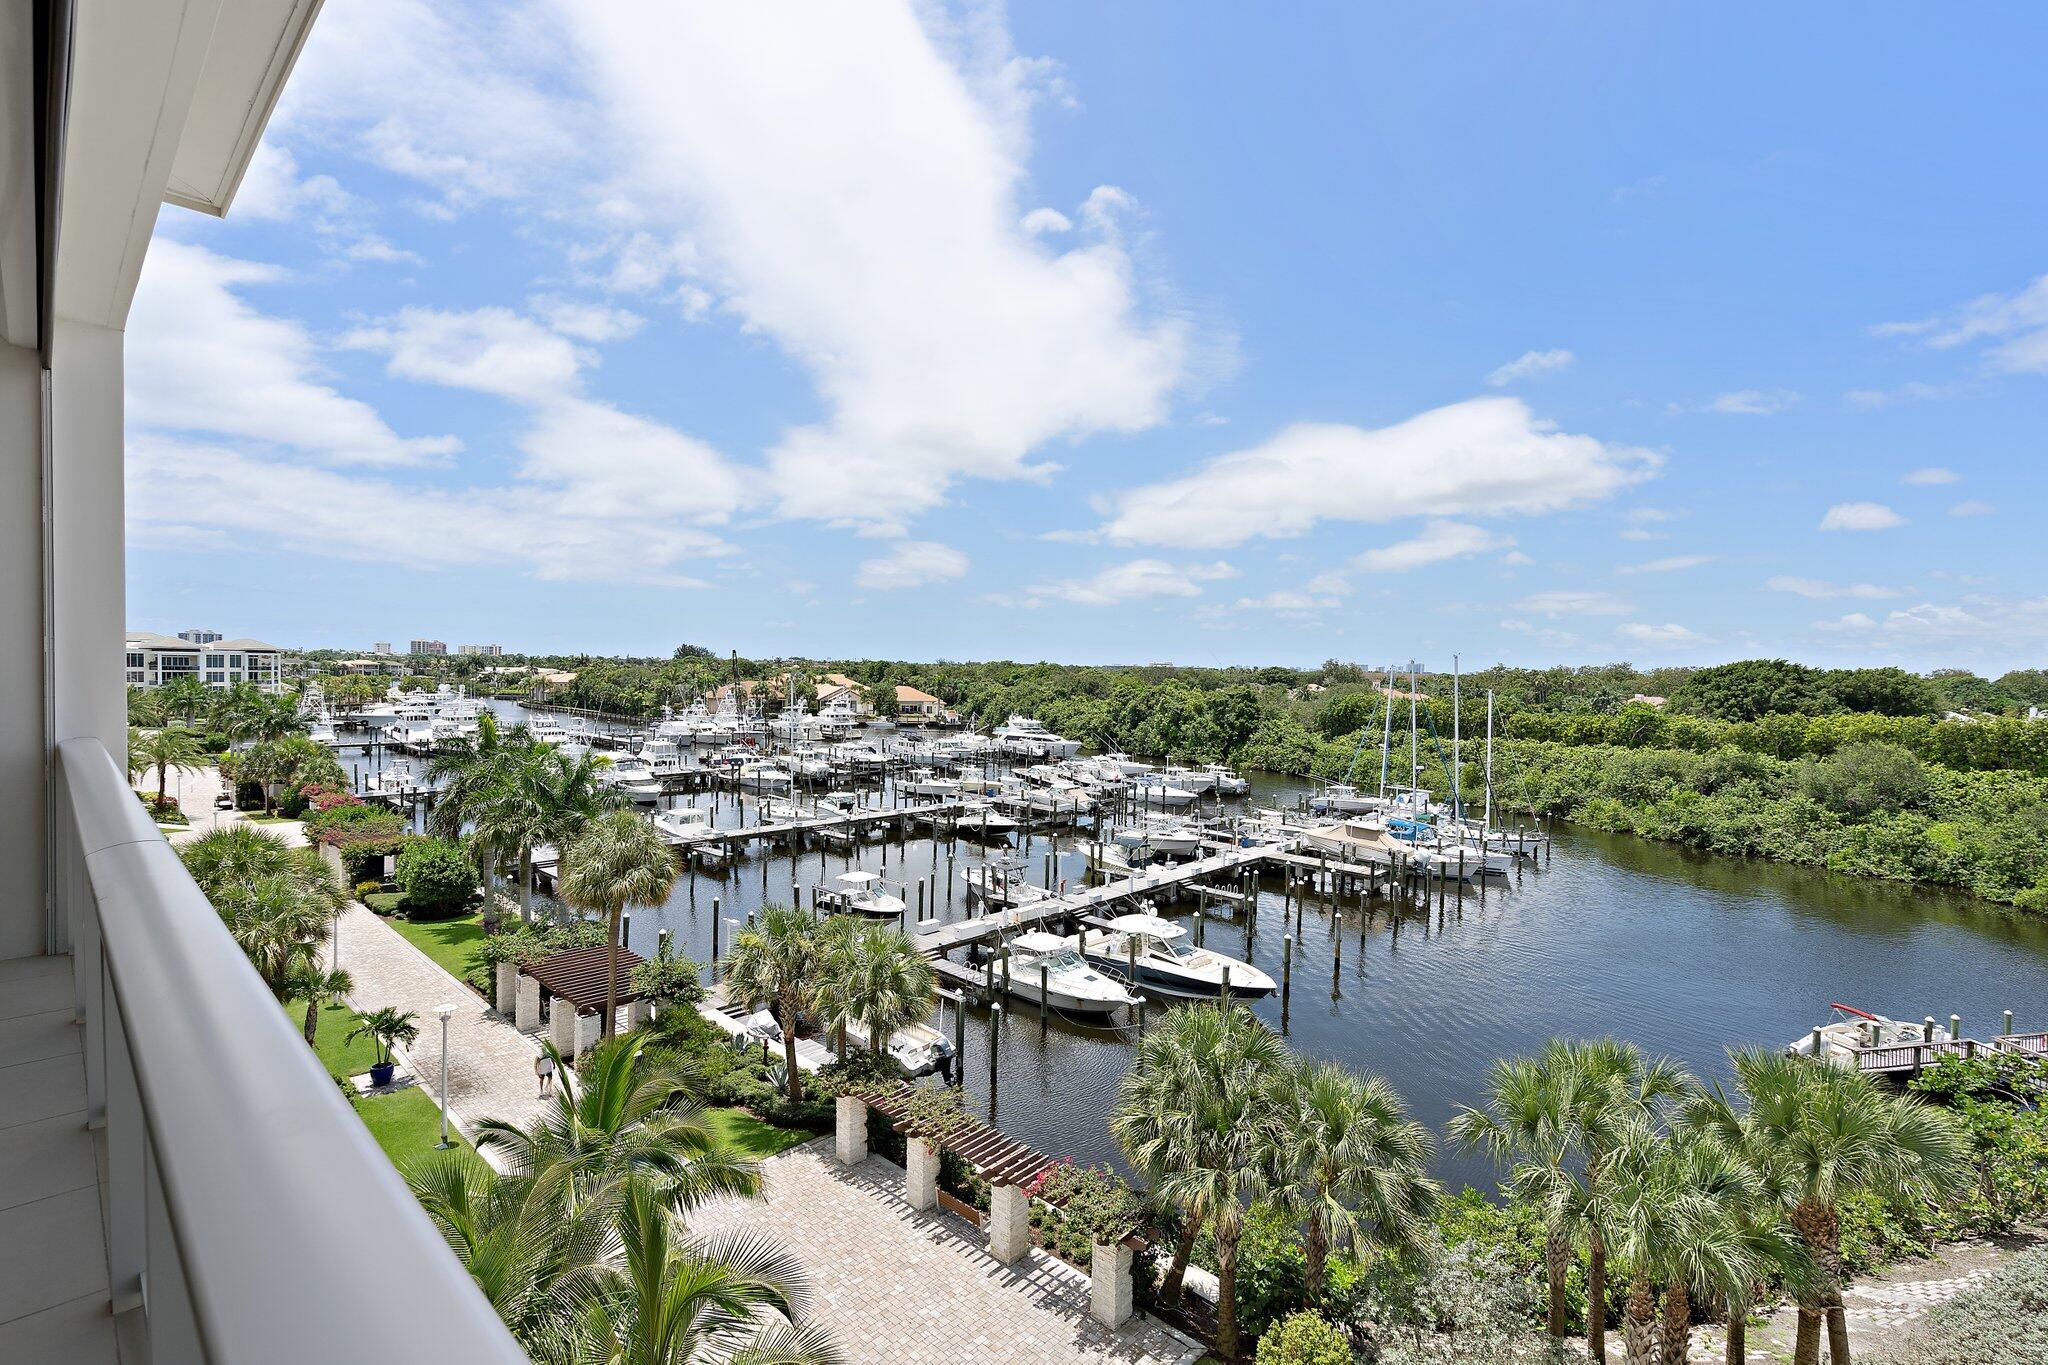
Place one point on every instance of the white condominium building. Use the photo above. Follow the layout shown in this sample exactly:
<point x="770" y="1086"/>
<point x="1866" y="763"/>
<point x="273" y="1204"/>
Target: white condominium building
<point x="154" y="660"/>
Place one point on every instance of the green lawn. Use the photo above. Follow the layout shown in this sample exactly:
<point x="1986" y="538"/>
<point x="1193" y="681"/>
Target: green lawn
<point x="447" y="941"/>
<point x="757" y="1139"/>
<point x="340" y="1057"/>
<point x="406" y="1124"/>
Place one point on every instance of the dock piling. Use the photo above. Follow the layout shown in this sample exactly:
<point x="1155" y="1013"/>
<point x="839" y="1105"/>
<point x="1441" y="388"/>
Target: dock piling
<point x="1286" y="976"/>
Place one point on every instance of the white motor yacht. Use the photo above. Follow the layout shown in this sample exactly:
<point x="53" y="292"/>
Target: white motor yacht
<point x="859" y="893"/>
<point x="1028" y="738"/>
<point x="1154" y="790"/>
<point x="925" y="782"/>
<point x="762" y="775"/>
<point x="1155" y="949"/>
<point x="1341" y="798"/>
<point x="633" y="776"/>
<point x="1046" y="964"/>
<point x="1226" y="780"/>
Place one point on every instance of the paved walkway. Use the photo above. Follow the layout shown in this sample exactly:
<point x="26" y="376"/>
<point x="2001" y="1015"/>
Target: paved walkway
<point x="905" y="1288"/>
<point x="490" y="1063"/>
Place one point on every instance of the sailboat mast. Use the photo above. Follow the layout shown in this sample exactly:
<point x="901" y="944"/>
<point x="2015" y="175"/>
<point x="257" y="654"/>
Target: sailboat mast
<point x="1457" y="762"/>
<point x="1489" y="760"/>
<point x="1414" y="754"/>
<point x="1387" y="738"/>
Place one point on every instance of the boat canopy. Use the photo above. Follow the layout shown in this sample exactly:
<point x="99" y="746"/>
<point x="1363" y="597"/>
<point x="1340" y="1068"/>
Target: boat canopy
<point x="857" y="878"/>
<point x="1039" y="941"/>
<point x="1145" y="926"/>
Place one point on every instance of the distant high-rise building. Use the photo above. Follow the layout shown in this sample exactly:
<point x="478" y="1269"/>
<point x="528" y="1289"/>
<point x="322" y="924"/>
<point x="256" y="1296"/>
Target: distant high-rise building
<point x="199" y="637"/>
<point x="381" y="647"/>
<point x="493" y="651"/>
<point x="427" y="647"/>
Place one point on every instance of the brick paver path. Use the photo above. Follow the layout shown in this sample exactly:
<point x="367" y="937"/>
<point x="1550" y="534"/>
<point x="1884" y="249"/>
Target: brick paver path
<point x="909" y="1288"/>
<point x="490" y="1063"/>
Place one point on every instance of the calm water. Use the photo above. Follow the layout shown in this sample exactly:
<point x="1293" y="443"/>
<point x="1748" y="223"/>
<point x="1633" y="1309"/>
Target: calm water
<point x="1684" y="953"/>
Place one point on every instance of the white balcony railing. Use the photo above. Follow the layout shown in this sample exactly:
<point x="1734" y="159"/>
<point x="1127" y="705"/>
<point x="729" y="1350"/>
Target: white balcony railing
<point x="249" y="1214"/>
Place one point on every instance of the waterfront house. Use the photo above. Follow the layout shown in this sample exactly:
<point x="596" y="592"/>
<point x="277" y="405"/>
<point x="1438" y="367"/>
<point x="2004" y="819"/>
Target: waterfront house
<point x="153" y="660"/>
<point x="914" y="707"/>
<point x="184" y="1182"/>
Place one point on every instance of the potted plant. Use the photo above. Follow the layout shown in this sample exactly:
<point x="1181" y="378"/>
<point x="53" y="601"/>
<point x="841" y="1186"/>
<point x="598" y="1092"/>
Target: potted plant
<point x="387" y="1029"/>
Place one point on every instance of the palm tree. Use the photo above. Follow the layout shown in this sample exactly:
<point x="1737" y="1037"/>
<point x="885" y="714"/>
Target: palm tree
<point x="137" y="764"/>
<point x="1198" y="1114"/>
<point x="466" y="775"/>
<point x="171" y="747"/>
<point x="546" y="798"/>
<point x="626" y="1117"/>
<point x="1352" y="1164"/>
<point x="875" y="977"/>
<point x="1614" y="1087"/>
<point x="319" y="988"/>
<point x="276" y="900"/>
<point x="1824" y="1131"/>
<point x="1673" y="1211"/>
<point x="388" y="1029"/>
<point x="619" y="861"/>
<point x="184" y="698"/>
<point x="672" y="1301"/>
<point x="1527" y="1126"/>
<point x="780" y="961"/>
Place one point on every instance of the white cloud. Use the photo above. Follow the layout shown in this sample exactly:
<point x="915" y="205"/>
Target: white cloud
<point x="1668" y="564"/>
<point x="1972" y="508"/>
<point x="1484" y="456"/>
<point x="2015" y="325"/>
<point x="1040" y="221"/>
<point x="585" y="321"/>
<point x="1988" y="626"/>
<point x="373" y="247"/>
<point x="1860" y="516"/>
<point x="878" y="240"/>
<point x="1670" y="633"/>
<point x="1932" y="474"/>
<point x="1439" y="541"/>
<point x="1529" y="364"/>
<point x="1132" y="581"/>
<point x="490" y="350"/>
<point x="1912" y="391"/>
<point x="1574" y="602"/>
<point x="273" y="190"/>
<point x="1745" y="403"/>
<point x="1855" y="620"/>
<point x="912" y="564"/>
<point x="1820" y="588"/>
<point x="200" y="359"/>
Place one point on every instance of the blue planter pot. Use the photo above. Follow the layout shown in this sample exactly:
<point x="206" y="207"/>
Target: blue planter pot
<point x="380" y="1073"/>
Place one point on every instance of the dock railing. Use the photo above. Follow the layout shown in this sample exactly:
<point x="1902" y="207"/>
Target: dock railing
<point x="248" y="1213"/>
<point x="1914" y="1057"/>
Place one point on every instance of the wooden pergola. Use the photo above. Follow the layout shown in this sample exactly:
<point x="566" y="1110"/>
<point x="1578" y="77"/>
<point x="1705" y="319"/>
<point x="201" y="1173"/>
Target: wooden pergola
<point x="995" y="1157"/>
<point x="577" y="976"/>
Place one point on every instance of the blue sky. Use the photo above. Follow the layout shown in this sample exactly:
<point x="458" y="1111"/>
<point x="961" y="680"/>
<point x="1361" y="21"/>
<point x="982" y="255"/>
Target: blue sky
<point x="1191" y="332"/>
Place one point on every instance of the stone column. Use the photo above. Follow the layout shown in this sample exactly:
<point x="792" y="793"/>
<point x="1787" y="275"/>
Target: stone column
<point x="1009" y="1222"/>
<point x="589" y="1028"/>
<point x="921" y="1180"/>
<point x="852" y="1113"/>
<point x="562" y="1028"/>
<point x="527" y="1016"/>
<point x="508" y="988"/>
<point x="639" y="1012"/>
<point x="1109" y="1287"/>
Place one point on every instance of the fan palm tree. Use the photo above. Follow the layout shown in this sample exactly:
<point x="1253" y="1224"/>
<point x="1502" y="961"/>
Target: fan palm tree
<point x="1527" y="1126"/>
<point x="171" y="747"/>
<point x="1198" y="1114"/>
<point x="618" y="862"/>
<point x="673" y="1301"/>
<point x="276" y="900"/>
<point x="318" y="987"/>
<point x="1822" y="1132"/>
<point x="529" y="1255"/>
<point x="1673" y="1212"/>
<point x="626" y="1117"/>
<point x="466" y="775"/>
<point x="874" y="977"/>
<point x="1351" y="1164"/>
<point x="780" y="961"/>
<point x="1614" y="1088"/>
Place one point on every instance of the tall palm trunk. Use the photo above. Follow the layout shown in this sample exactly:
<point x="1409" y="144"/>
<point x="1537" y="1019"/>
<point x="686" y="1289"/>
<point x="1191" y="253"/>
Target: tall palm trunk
<point x="1226" y="1290"/>
<point x="1737" y="1352"/>
<point x="1316" y="1253"/>
<point x="162" y="782"/>
<point x="1596" y="1291"/>
<point x="611" y="977"/>
<point x="1815" y="1222"/>
<point x="793" y="1078"/>
<point x="526" y="883"/>
<point x="1838" y="1328"/>
<point x="1677" y="1328"/>
<point x="1557" y="1253"/>
<point x="312" y="1017"/>
<point x="1169" y="1288"/>
<point x="1806" y="1345"/>
<point x="1639" y="1320"/>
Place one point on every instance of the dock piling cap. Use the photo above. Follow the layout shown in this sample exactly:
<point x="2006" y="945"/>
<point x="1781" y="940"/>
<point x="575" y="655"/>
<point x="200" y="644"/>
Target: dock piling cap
<point x="1146" y="926"/>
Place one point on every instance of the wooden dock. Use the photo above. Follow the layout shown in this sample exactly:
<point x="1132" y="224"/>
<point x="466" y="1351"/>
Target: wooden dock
<point x="941" y="939"/>
<point x="1910" y="1059"/>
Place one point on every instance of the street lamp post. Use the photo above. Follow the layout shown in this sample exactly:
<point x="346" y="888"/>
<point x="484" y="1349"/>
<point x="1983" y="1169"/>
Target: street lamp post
<point x="446" y="1012"/>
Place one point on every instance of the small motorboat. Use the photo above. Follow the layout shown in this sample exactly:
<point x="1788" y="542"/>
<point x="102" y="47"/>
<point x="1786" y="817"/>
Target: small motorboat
<point x="1046" y="963"/>
<point x="1150" y="952"/>
<point x="859" y="893"/>
<point x="1850" y="1030"/>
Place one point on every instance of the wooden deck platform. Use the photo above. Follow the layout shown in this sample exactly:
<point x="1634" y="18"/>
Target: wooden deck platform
<point x="1909" y="1059"/>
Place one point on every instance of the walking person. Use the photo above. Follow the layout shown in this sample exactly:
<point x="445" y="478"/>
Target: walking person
<point x="544" y="1071"/>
